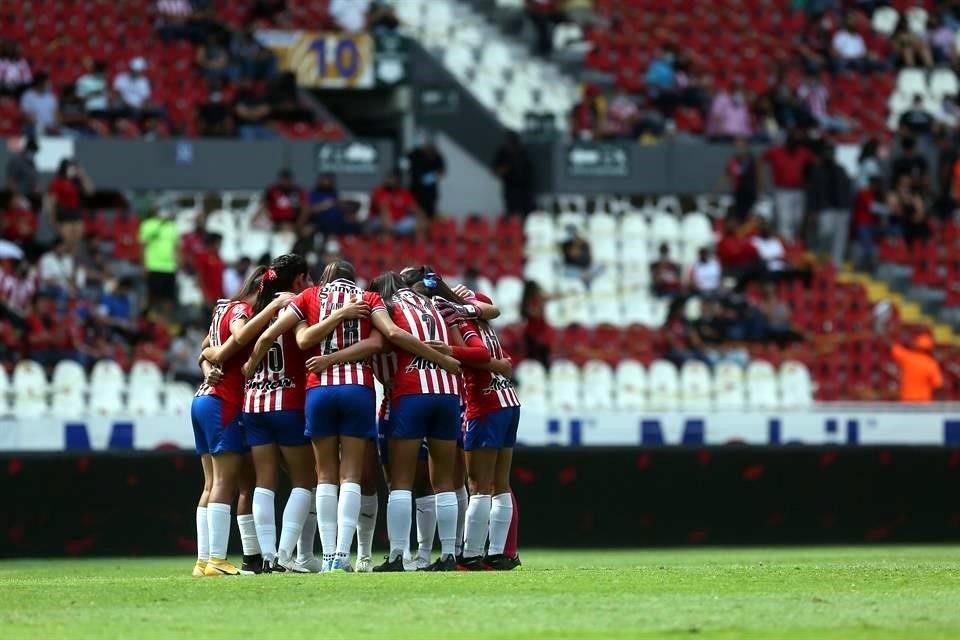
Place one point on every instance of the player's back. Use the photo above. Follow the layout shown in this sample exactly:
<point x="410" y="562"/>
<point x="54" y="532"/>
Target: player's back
<point x="280" y="380"/>
<point x="415" y="375"/>
<point x="230" y="387"/>
<point x="384" y="367"/>
<point x="486" y="391"/>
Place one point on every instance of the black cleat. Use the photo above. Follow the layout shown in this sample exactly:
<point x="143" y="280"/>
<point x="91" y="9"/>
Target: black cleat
<point x="471" y="564"/>
<point x="273" y="567"/>
<point x="443" y="563"/>
<point x="390" y="566"/>
<point x="501" y="562"/>
<point x="252" y="565"/>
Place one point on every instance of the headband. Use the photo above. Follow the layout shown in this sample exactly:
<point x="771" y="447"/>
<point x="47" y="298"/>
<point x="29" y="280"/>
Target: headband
<point x="430" y="280"/>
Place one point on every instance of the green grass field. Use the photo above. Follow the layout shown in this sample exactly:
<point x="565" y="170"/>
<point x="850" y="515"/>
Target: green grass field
<point x="876" y="593"/>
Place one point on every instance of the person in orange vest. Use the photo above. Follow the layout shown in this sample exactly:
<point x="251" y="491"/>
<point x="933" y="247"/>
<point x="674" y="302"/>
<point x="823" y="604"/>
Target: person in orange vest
<point x="920" y="375"/>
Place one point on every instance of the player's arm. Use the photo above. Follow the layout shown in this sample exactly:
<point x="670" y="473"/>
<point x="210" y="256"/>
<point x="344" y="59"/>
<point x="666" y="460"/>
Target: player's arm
<point x="309" y="336"/>
<point x="487" y="362"/>
<point x="486" y="310"/>
<point x="286" y="321"/>
<point x="398" y="337"/>
<point x="242" y="331"/>
<point x="356" y="352"/>
<point x="472" y="354"/>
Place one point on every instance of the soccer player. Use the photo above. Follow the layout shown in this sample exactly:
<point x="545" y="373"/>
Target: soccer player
<point x="217" y="428"/>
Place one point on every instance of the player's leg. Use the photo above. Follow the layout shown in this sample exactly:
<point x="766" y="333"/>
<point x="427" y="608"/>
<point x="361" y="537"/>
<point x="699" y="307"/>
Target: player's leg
<point x="510" y="550"/>
<point x="246" y="485"/>
<point x="444" y="425"/>
<point x="481" y="463"/>
<point x="305" y="545"/>
<point x="203" y="539"/>
<point x="326" y="453"/>
<point x="369" y="506"/>
<point x="265" y="456"/>
<point x="501" y="512"/>
<point x="301" y="468"/>
<point x="426" y="509"/>
<point x="226" y="469"/>
<point x="463" y="497"/>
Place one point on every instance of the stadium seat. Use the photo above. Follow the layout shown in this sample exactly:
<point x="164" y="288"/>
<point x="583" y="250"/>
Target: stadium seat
<point x="598" y="386"/>
<point x="663" y="382"/>
<point x="943" y="82"/>
<point x="540" y="234"/>
<point x="762" y="385"/>
<point x="664" y="229"/>
<point x="107" y="386"/>
<point x="604" y="307"/>
<point x="728" y="388"/>
<point x="917" y="20"/>
<point x="631" y="381"/>
<point x="885" y="20"/>
<point x="565" y="386"/>
<point x="532" y="382"/>
<point x="29" y="385"/>
<point x="911" y="82"/>
<point x="68" y="390"/>
<point x="508" y="298"/>
<point x="146" y="384"/>
<point x="177" y="398"/>
<point x="796" y="387"/>
<point x="4" y="392"/>
<point x="696" y="232"/>
<point x="695" y="385"/>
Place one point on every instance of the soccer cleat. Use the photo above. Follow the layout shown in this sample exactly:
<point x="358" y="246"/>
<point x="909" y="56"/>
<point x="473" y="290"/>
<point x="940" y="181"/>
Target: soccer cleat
<point x="310" y="565"/>
<point x="443" y="563"/>
<point x="198" y="568"/>
<point x="340" y="565"/>
<point x="474" y="563"/>
<point x="289" y="565"/>
<point x="417" y="564"/>
<point x="251" y="565"/>
<point x="218" y="567"/>
<point x="273" y="566"/>
<point x="500" y="562"/>
<point x="390" y="566"/>
<point x="364" y="564"/>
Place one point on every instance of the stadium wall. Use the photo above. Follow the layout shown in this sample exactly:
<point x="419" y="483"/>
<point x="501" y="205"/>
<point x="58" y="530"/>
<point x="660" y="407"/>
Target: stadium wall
<point x="142" y="504"/>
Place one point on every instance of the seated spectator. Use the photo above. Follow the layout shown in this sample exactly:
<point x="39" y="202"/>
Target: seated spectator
<point x="766" y="126"/>
<point x="50" y="335"/>
<point x="544" y="15"/>
<point x="916" y="121"/>
<point x="250" y="58"/>
<point x="587" y="114"/>
<point x="682" y="342"/>
<point x="19" y="222"/>
<point x="73" y="114"/>
<point x="910" y="50"/>
<point x="284" y="202"/>
<point x="660" y="80"/>
<point x="21" y="172"/>
<point x="912" y="163"/>
<point x="381" y="18"/>
<point x="173" y="19"/>
<point x="705" y="273"/>
<point x="283" y="97"/>
<point x="665" y="275"/>
<point x="908" y="213"/>
<point x="325" y="213"/>
<point x="39" y="106"/>
<point x="57" y="270"/>
<point x="871" y="213"/>
<point x="349" y="15"/>
<point x="816" y="96"/>
<point x="210" y="269"/>
<point x="729" y="116"/>
<point x="577" y="259"/>
<point x="251" y="113"/>
<point x="394" y="209"/>
<point x="537" y="333"/>
<point x="91" y="87"/>
<point x="622" y="117"/>
<point x="213" y="60"/>
<point x="769" y="247"/>
<point x="215" y="117"/>
<point x="941" y="40"/>
<point x="814" y="44"/>
<point x="868" y="163"/>
<point x="848" y="48"/>
<point x="265" y="10"/>
<point x="64" y="195"/>
<point x="133" y="86"/>
<point x="15" y="75"/>
<point x="743" y="176"/>
<point x="736" y="252"/>
<point x="18" y="284"/>
<point x="777" y="317"/>
<point x="115" y="310"/>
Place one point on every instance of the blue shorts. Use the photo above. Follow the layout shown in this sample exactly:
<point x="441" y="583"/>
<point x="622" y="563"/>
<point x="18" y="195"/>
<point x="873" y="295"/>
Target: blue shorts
<point x="284" y="428"/>
<point x="217" y="427"/>
<point x="428" y="415"/>
<point x="496" y="430"/>
<point x="341" y="410"/>
<point x="383" y="448"/>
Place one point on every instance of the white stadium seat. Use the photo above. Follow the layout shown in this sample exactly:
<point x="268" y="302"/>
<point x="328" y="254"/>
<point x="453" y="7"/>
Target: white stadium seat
<point x="943" y="82"/>
<point x="68" y="390"/>
<point x="631" y="380"/>
<point x="146" y="384"/>
<point x="911" y="82"/>
<point x="4" y="392"/>
<point x="762" y="385"/>
<point x="598" y="386"/>
<point x="508" y="297"/>
<point x="29" y="387"/>
<point x="728" y="388"/>
<point x="664" y="228"/>
<point x="565" y="388"/>
<point x="532" y="381"/>
<point x="885" y="20"/>
<point x="917" y="20"/>
<point x="796" y="387"/>
<point x="107" y="385"/>
<point x="696" y="232"/>
<point x="695" y="385"/>
<point x="177" y="398"/>
<point x="663" y="383"/>
<point x="605" y="308"/>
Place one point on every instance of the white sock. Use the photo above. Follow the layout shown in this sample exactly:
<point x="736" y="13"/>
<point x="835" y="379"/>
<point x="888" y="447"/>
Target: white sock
<point x="447" y="522"/>
<point x="478" y="521"/>
<point x="367" y="524"/>
<point x="294" y="516"/>
<point x="426" y="524"/>
<point x="327" y="518"/>
<point x="309" y="531"/>
<point x="348" y="511"/>
<point x="203" y="540"/>
<point x="501" y="513"/>
<point x="398" y="521"/>
<point x="265" y="518"/>
<point x="218" y="526"/>
<point x="462" y="498"/>
<point x="248" y="534"/>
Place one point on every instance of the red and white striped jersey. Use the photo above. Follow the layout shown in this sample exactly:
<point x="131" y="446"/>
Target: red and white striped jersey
<point x="385" y="369"/>
<point x="278" y="384"/>
<point x="486" y="391"/>
<point x="315" y="304"/>
<point x="230" y="387"/>
<point x="417" y="316"/>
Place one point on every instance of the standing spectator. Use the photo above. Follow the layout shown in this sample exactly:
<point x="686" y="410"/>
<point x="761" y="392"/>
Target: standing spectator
<point x="22" y="172"/>
<point x="394" y="209"/>
<point x="64" y="195"/>
<point x="15" y="75"/>
<point x="213" y="60"/>
<point x="251" y="59"/>
<point x="427" y="167"/>
<point x="284" y="202"/>
<point x="133" y="86"/>
<point x="251" y="112"/>
<point x="913" y="164"/>
<point x="729" y="115"/>
<point x="870" y="215"/>
<point x="183" y="354"/>
<point x="349" y="15"/>
<point x="705" y="273"/>
<point x="868" y="164"/>
<point x="788" y="165"/>
<point x="160" y="238"/>
<point x="39" y="106"/>
<point x="920" y="374"/>
<point x="283" y="96"/>
<point x="73" y="114"/>
<point x="325" y="212"/>
<point x="210" y="269"/>
<point x="744" y="178"/>
<point x="665" y="276"/>
<point x="544" y="15"/>
<point x="916" y="121"/>
<point x="537" y="332"/>
<point x="215" y="117"/>
<point x="92" y="86"/>
<point x="512" y="164"/>
<point x="829" y="193"/>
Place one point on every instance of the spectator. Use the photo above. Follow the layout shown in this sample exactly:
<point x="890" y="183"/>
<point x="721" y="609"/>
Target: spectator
<point x="916" y="121"/>
<point x="587" y="115"/>
<point x="394" y="208"/>
<point x="381" y="18"/>
<point x="15" y="75"/>
<point x="213" y="60"/>
<point x="871" y="214"/>
<point x="622" y="117"/>
<point x="173" y="20"/>
<point x="816" y="96"/>
<point x="267" y="10"/>
<point x="427" y="167"/>
<point x="160" y="238"/>
<point x="911" y="163"/>
<point x="544" y="15"/>
<point x="350" y="15"/>
<point x="946" y="164"/>
<point x="64" y="195"/>
<point x="729" y="115"/>
<point x="537" y="333"/>
<point x="215" y="117"/>
<point x="284" y="99"/>
<point x="848" y="47"/>
<point x="251" y="59"/>
<point x="251" y="113"/>
<point x="50" y="336"/>
<point x="210" y="269"/>
<point x="829" y="195"/>
<point x="133" y="86"/>
<point x="39" y="106"/>
<point x="868" y="163"/>
<point x="58" y="270"/>
<point x="941" y="40"/>
<point x="115" y="310"/>
<point x="744" y="178"/>
<point x="814" y="44"/>
<point x="660" y="80"/>
<point x="19" y="222"/>
<point x="908" y="213"/>
<point x="284" y="202"/>
<point x="665" y="276"/>
<point x="683" y="343"/>
<point x="194" y="243"/>
<point x="18" y="285"/>
<point x="73" y="114"/>
<point x="788" y="165"/>
<point x="22" y="174"/>
<point x="767" y="127"/>
<point x="234" y="275"/>
<point x="909" y="49"/>
<point x="183" y="353"/>
<point x="577" y="259"/>
<point x="920" y="375"/>
<point x="769" y="248"/>
<point x="512" y="164"/>
<point x="325" y="213"/>
<point x="92" y="86"/>
<point x="776" y="317"/>
<point x="705" y="273"/>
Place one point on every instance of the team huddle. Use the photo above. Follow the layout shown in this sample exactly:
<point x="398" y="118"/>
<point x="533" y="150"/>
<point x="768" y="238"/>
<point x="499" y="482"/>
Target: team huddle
<point x="290" y="371"/>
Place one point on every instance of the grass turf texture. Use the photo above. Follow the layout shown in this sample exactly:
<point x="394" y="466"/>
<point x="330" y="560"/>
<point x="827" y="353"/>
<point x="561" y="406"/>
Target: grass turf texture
<point x="876" y="593"/>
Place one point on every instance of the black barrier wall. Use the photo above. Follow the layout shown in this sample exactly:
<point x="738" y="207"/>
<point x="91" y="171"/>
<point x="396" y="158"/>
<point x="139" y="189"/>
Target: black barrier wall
<point x="143" y="505"/>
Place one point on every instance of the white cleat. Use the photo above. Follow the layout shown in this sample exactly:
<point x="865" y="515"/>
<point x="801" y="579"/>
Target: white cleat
<point x="416" y="564"/>
<point x="310" y="565"/>
<point x="364" y="565"/>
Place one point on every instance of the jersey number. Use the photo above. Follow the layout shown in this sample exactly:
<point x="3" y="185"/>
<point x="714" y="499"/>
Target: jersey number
<point x="274" y="359"/>
<point x="431" y="325"/>
<point x="351" y="336"/>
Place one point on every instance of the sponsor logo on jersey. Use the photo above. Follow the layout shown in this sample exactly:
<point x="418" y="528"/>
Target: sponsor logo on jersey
<point x="270" y="385"/>
<point x="497" y="383"/>
<point x="421" y="363"/>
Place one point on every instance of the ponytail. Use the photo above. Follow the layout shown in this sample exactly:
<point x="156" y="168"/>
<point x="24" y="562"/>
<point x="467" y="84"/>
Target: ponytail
<point x="338" y="270"/>
<point x="251" y="286"/>
<point x="279" y="276"/>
